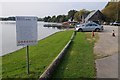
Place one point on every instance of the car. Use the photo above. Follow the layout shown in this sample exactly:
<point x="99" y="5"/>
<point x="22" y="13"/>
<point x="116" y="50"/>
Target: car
<point x="90" y="26"/>
<point x="116" y="23"/>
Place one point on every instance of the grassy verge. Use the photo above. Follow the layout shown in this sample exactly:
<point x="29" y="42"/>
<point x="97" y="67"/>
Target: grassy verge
<point x="0" y="68"/>
<point x="41" y="55"/>
<point x="79" y="60"/>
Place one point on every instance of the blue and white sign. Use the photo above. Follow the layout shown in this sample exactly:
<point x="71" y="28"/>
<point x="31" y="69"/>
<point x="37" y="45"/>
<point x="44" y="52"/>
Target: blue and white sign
<point x="26" y="28"/>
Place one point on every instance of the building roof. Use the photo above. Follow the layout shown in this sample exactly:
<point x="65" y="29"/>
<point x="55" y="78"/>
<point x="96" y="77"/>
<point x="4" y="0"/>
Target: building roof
<point x="90" y="15"/>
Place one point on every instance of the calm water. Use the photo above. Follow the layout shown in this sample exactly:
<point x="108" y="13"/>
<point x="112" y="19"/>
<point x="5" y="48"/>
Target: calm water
<point x="8" y="36"/>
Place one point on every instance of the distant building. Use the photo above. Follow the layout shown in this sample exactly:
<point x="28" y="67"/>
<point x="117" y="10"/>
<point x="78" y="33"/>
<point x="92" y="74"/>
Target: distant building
<point x="95" y="16"/>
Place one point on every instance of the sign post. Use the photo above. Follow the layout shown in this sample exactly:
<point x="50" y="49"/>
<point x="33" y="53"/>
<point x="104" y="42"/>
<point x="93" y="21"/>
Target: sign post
<point x="27" y="58"/>
<point x="26" y="29"/>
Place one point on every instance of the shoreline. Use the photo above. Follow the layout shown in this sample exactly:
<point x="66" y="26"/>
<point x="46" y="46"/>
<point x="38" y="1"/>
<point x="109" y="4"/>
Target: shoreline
<point x="25" y="46"/>
<point x="41" y="56"/>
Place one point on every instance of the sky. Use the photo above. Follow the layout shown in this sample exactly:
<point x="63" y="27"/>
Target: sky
<point x="42" y="9"/>
<point x="54" y="0"/>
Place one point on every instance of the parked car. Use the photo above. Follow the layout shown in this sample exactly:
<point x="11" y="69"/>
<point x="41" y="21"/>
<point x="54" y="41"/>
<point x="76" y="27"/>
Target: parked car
<point x="116" y="23"/>
<point x="90" y="26"/>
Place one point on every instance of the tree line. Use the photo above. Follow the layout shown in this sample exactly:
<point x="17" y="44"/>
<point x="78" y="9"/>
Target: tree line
<point x="13" y="19"/>
<point x="111" y="11"/>
<point x="73" y="15"/>
<point x="7" y="19"/>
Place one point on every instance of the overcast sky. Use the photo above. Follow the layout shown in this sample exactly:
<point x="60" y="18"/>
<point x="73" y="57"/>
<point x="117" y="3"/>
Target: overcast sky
<point x="42" y="9"/>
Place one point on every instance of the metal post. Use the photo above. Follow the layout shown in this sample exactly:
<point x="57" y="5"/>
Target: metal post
<point x="27" y="58"/>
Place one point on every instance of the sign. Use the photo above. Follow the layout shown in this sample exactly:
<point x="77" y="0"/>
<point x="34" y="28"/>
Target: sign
<point x="26" y="28"/>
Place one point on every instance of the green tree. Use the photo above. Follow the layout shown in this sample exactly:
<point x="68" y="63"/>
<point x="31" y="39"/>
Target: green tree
<point x="82" y="13"/>
<point x="11" y="18"/>
<point x="77" y="16"/>
<point x="61" y="18"/>
<point x="40" y="19"/>
<point x="47" y="19"/>
<point x="58" y="18"/>
<point x="112" y="11"/>
<point x="53" y="19"/>
<point x="71" y="14"/>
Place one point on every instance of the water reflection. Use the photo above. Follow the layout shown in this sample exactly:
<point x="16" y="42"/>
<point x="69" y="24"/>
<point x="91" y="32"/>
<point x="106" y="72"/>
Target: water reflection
<point x="8" y="35"/>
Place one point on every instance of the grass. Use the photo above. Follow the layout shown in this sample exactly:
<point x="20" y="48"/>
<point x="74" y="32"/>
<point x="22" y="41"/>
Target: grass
<point x="41" y="55"/>
<point x="79" y="60"/>
<point x="0" y="68"/>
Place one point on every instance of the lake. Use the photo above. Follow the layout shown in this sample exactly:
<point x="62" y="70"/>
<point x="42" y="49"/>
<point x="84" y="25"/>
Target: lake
<point x="8" y="35"/>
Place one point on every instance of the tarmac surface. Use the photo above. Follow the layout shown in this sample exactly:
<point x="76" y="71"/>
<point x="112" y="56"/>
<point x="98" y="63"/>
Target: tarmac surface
<point x="107" y="50"/>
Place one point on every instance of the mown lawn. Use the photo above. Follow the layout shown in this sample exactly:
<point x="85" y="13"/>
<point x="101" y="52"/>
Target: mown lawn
<point x="79" y="59"/>
<point x="0" y="67"/>
<point x="41" y="55"/>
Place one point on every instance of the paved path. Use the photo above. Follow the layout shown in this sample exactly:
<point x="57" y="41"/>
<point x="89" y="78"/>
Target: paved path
<point x="107" y="45"/>
<point x="107" y="67"/>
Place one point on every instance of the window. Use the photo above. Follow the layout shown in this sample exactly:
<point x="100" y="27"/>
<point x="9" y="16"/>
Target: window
<point x="94" y="24"/>
<point x="89" y="25"/>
